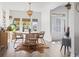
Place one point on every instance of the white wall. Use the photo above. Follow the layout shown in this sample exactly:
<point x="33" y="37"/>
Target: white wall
<point x="0" y="15"/>
<point x="23" y="14"/>
<point x="45" y="21"/>
<point x="21" y="7"/>
<point x="76" y="32"/>
<point x="58" y="35"/>
<point x="72" y="27"/>
<point x="43" y="7"/>
<point x="2" y="11"/>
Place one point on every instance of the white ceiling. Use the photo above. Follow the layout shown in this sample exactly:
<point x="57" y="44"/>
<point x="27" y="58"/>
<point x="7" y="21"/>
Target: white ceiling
<point x="26" y="3"/>
<point x="37" y="6"/>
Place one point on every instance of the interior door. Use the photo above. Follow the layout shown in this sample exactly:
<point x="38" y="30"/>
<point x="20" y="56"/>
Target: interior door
<point x="57" y="27"/>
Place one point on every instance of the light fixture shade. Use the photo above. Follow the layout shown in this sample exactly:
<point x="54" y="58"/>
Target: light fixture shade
<point x="68" y="5"/>
<point x="29" y="12"/>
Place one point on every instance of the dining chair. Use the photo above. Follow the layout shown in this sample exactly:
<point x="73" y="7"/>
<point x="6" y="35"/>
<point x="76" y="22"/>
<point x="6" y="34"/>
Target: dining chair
<point x="18" y="36"/>
<point x="32" y="40"/>
<point x="41" y="36"/>
<point x="66" y="43"/>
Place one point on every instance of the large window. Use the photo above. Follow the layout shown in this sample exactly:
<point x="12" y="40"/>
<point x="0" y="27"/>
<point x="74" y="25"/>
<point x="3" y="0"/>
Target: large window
<point x="26" y="24"/>
<point x="35" y="24"/>
<point x="17" y="23"/>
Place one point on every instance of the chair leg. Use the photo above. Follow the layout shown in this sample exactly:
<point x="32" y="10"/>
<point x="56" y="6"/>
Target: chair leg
<point x="61" y="47"/>
<point x="68" y="52"/>
<point x="14" y="43"/>
<point x="22" y="41"/>
<point x="44" y="41"/>
<point x="64" y="50"/>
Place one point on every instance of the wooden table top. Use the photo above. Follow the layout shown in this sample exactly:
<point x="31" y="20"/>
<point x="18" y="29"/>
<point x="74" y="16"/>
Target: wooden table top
<point x="25" y="32"/>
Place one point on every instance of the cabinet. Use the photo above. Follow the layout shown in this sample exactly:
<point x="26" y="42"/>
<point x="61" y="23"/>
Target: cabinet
<point x="3" y="39"/>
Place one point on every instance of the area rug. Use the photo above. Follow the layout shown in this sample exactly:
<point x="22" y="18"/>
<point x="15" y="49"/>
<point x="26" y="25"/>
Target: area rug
<point x="39" y="47"/>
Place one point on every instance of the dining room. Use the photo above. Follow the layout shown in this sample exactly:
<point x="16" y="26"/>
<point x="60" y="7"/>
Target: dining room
<point x="29" y="31"/>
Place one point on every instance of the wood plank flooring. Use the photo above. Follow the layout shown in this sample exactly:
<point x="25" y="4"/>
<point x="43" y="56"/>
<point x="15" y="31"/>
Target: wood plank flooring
<point x="53" y="51"/>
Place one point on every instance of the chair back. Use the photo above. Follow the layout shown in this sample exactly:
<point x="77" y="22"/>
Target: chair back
<point x="17" y="35"/>
<point x="41" y="34"/>
<point x="66" y="42"/>
<point x="32" y="35"/>
<point x="32" y="38"/>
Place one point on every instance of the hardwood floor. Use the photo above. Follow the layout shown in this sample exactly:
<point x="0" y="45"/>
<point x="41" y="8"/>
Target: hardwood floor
<point x="53" y="51"/>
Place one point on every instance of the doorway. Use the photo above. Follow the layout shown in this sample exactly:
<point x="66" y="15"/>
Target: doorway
<point x="58" y="23"/>
<point x="58" y="26"/>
